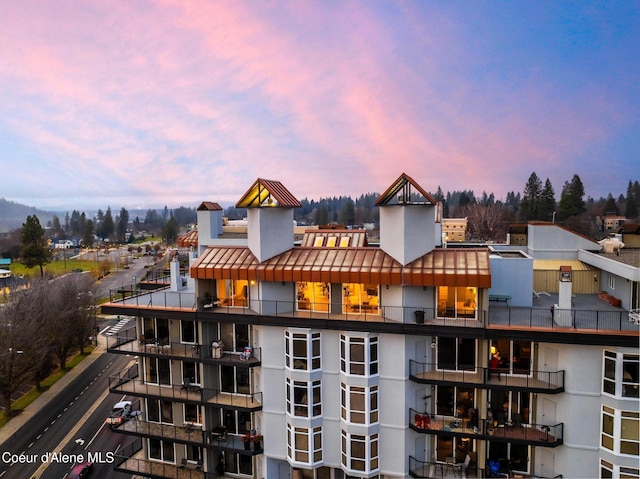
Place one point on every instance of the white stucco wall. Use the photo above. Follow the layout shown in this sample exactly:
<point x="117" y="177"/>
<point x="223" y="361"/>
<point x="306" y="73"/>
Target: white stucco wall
<point x="270" y="231"/>
<point x="512" y="277"/>
<point x="407" y="232"/>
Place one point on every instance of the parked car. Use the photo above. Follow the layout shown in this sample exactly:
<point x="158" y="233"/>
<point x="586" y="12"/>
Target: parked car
<point x="80" y="471"/>
<point x="120" y="413"/>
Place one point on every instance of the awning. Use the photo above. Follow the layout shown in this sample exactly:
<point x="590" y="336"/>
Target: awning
<point x="441" y="267"/>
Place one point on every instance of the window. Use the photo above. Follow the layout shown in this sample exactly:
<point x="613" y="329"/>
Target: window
<point x="233" y="292"/>
<point x="313" y="296"/>
<point x="234" y="380"/>
<point x="302" y="349"/>
<point x="235" y="336"/>
<point x="620" y="374"/>
<point x="238" y="463"/>
<point x="359" y="405"/>
<point x="457" y="302"/>
<point x="360" y="298"/>
<point x="456" y="354"/>
<point x="158" y="371"/>
<point x="304" y="445"/>
<point x="359" y="355"/>
<point x="298" y="394"/>
<point x="190" y="372"/>
<point x="193" y="453"/>
<point x="359" y="452"/>
<point x="188" y="332"/>
<point x="609" y="471"/>
<point x="515" y="356"/>
<point x="157" y="329"/>
<point x="236" y="422"/>
<point x="159" y="411"/>
<point x="612" y="282"/>
<point x="193" y="413"/>
<point x="161" y="450"/>
<point x="620" y="431"/>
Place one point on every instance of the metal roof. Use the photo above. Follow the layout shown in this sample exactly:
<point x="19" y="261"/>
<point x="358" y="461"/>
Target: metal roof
<point x="554" y="265"/>
<point x="440" y="267"/>
<point x="268" y="193"/>
<point x="400" y="193"/>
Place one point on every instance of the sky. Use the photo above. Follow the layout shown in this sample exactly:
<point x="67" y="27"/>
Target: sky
<point x="149" y="104"/>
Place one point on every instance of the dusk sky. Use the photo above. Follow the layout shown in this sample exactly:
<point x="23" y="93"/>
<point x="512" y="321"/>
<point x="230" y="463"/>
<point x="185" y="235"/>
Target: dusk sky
<point x="144" y="104"/>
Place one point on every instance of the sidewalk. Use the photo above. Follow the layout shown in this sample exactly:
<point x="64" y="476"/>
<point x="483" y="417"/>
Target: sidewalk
<point x="9" y="429"/>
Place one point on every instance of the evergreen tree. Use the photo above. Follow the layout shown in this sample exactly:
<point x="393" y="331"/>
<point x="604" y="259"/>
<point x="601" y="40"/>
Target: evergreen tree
<point x="35" y="251"/>
<point x="122" y="225"/>
<point x="632" y="201"/>
<point x="170" y="231"/>
<point x="347" y="213"/>
<point x="611" y="206"/>
<point x="88" y="236"/>
<point x="529" y="206"/>
<point x="107" y="227"/>
<point x="571" y="202"/>
<point x="547" y="203"/>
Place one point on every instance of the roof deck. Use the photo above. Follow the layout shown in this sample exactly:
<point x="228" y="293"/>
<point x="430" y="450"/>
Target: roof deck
<point x="590" y="316"/>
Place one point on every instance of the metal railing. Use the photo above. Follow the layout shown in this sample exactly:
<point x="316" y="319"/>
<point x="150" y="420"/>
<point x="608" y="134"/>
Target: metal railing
<point x="543" y="381"/>
<point x="126" y="382"/>
<point x="508" y="316"/>
<point x="488" y="429"/>
<point x="427" y="469"/>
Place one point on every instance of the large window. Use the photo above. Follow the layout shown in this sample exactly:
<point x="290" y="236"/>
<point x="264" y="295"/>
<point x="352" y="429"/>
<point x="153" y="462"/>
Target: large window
<point x="360" y="298"/>
<point x="159" y="411"/>
<point x="188" y="331"/>
<point x="304" y="398"/>
<point x="457" y="302"/>
<point x="158" y="371"/>
<point x="236" y="422"/>
<point x="313" y="296"/>
<point x="190" y="372"/>
<point x="161" y="450"/>
<point x="360" y="452"/>
<point x="156" y="329"/>
<point x="359" y="355"/>
<point x="514" y="357"/>
<point x="620" y="431"/>
<point x="302" y="350"/>
<point x="193" y="413"/>
<point x="609" y="471"/>
<point x="620" y="374"/>
<point x="234" y="336"/>
<point x="304" y="445"/>
<point x="233" y="292"/>
<point x="456" y="354"/>
<point x="235" y="380"/>
<point x="359" y="405"/>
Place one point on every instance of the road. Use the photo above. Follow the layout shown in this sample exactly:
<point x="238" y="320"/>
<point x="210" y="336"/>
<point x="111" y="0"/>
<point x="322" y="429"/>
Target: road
<point x="74" y="421"/>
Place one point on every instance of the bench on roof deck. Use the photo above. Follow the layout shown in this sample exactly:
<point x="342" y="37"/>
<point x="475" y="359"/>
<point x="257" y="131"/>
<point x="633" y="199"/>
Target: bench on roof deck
<point x="500" y="298"/>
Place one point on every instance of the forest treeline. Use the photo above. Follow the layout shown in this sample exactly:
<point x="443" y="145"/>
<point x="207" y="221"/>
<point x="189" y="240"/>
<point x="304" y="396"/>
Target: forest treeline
<point x="488" y="217"/>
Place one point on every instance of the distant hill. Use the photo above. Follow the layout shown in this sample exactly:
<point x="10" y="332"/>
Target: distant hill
<point x="13" y="215"/>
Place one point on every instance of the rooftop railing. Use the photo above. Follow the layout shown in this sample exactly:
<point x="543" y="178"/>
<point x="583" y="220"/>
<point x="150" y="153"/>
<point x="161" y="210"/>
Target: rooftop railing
<point x="542" y="318"/>
<point x="427" y="469"/>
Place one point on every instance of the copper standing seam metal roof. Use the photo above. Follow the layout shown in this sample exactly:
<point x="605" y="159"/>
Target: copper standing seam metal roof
<point x="440" y="267"/>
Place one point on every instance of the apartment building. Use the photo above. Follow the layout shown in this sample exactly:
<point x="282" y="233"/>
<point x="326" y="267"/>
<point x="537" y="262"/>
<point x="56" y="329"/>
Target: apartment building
<point x="335" y="358"/>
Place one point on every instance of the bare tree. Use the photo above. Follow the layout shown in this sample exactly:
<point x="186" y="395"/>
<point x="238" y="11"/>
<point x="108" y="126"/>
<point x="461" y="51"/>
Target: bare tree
<point x="485" y="223"/>
<point x="23" y="347"/>
<point x="71" y="322"/>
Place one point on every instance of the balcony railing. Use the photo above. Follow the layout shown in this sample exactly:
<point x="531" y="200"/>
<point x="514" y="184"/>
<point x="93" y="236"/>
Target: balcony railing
<point x="131" y="460"/>
<point x="492" y="430"/>
<point x="531" y="381"/>
<point x="125" y="382"/>
<point x="497" y="316"/>
<point x="125" y="342"/>
<point x="217" y="438"/>
<point x="425" y="469"/>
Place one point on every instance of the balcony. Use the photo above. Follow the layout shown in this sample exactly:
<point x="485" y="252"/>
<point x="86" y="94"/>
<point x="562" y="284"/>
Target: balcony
<point x="424" y="469"/>
<point x="131" y="460"/>
<point x="125" y="382"/>
<point x="529" y="434"/>
<point x="590" y="315"/>
<point x="127" y="343"/>
<point x="547" y="382"/>
<point x="188" y="433"/>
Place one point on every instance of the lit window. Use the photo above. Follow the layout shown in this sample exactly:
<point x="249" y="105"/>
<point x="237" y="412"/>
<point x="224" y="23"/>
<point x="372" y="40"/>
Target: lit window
<point x="457" y="302"/>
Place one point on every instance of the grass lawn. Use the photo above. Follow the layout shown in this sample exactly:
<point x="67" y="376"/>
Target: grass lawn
<point x="34" y="393"/>
<point x="56" y="268"/>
